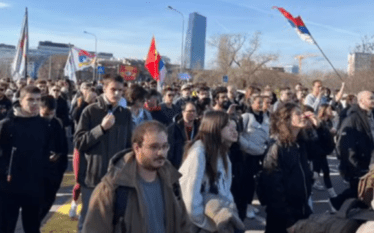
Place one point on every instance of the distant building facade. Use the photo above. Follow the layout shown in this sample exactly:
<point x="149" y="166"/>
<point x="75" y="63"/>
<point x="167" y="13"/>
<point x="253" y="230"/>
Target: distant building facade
<point x="360" y="62"/>
<point x="194" y="55"/>
<point x="291" y="69"/>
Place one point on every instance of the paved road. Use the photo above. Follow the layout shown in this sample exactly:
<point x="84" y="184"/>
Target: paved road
<point x="257" y="225"/>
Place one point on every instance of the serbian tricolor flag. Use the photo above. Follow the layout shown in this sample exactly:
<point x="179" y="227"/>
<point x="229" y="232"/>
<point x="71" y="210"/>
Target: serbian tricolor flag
<point x="298" y="24"/>
<point x="153" y="60"/>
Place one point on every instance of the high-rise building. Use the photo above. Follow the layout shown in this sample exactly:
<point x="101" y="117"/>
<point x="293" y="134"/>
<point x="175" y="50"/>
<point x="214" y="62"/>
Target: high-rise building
<point x="194" y="55"/>
<point x="360" y="62"/>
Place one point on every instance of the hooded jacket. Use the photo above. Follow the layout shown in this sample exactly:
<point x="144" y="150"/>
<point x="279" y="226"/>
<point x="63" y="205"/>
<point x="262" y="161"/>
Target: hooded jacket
<point x="123" y="172"/>
<point x="99" y="146"/>
<point x="355" y="145"/>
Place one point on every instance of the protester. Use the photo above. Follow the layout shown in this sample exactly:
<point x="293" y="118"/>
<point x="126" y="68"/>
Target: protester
<point x="5" y="103"/>
<point x="104" y="129"/>
<point x="26" y="143"/>
<point x="206" y="175"/>
<point x="315" y="98"/>
<point x="58" y="161"/>
<point x="355" y="145"/>
<point x="254" y="142"/>
<point x="62" y="109"/>
<point x="186" y="96"/>
<point x="183" y="129"/>
<point x="135" y="96"/>
<point x="151" y="200"/>
<point x="286" y="181"/>
<point x="152" y="105"/>
<point x="285" y="97"/>
<point x="167" y="106"/>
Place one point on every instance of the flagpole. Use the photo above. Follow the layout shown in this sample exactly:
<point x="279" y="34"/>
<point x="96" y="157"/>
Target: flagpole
<point x="315" y="42"/>
<point x="27" y="25"/>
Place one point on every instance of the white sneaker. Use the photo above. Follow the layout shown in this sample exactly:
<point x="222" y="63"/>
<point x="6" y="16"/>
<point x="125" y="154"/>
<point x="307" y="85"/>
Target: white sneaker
<point x="73" y="210"/>
<point x="318" y="186"/>
<point x="332" y="192"/>
<point x="333" y="210"/>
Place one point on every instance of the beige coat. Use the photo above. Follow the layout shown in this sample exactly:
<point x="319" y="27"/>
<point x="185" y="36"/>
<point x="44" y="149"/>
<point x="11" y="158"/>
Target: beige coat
<point x="122" y="172"/>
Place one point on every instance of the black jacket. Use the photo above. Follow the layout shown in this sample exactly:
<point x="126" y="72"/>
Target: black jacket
<point x="28" y="141"/>
<point x="287" y="181"/>
<point x="355" y="144"/>
<point x="98" y="146"/>
<point x="62" y="111"/>
<point x="177" y="139"/>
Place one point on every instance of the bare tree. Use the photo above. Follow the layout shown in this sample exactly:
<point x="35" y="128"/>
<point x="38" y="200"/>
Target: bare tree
<point x="366" y="45"/>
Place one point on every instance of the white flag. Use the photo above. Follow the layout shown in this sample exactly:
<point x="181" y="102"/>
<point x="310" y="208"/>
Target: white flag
<point x="70" y="68"/>
<point x="19" y="65"/>
<point x="82" y="58"/>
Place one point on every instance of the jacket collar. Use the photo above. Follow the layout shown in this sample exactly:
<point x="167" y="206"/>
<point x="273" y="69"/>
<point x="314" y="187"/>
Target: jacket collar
<point x="123" y="170"/>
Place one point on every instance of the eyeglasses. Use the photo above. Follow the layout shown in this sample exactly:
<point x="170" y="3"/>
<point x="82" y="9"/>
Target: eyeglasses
<point x="171" y="95"/>
<point x="56" y="90"/>
<point x="157" y="147"/>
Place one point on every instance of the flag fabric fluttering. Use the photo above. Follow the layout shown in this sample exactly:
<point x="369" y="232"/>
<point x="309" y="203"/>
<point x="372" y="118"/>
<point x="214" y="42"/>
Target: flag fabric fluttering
<point x="162" y="71"/>
<point x="298" y="24"/>
<point x="19" y="65"/>
<point x="70" y="67"/>
<point x="153" y="60"/>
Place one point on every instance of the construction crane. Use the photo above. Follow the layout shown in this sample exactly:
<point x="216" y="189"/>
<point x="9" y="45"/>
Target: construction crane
<point x="301" y="57"/>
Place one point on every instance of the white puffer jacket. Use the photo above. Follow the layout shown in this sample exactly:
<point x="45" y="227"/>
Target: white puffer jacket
<point x="255" y="136"/>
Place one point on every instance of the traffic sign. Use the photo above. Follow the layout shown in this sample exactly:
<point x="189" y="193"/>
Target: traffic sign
<point x="184" y="76"/>
<point x="101" y="70"/>
<point x="225" y="79"/>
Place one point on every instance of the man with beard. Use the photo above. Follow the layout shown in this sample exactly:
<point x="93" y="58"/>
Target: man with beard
<point x="104" y="129"/>
<point x="220" y="99"/>
<point x="151" y="198"/>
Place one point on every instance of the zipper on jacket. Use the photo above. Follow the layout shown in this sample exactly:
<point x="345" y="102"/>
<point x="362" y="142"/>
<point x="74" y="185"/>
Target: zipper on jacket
<point x="302" y="171"/>
<point x="9" y="177"/>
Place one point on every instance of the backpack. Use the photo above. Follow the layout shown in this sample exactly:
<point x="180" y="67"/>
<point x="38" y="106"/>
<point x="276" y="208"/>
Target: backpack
<point x="365" y="188"/>
<point x="344" y="221"/>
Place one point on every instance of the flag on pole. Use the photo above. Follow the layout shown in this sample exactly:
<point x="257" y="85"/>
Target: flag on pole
<point x="298" y="24"/>
<point x="128" y="73"/>
<point x="163" y="71"/>
<point x="82" y="58"/>
<point x="153" y="60"/>
<point x="70" y="67"/>
<point x="19" y="65"/>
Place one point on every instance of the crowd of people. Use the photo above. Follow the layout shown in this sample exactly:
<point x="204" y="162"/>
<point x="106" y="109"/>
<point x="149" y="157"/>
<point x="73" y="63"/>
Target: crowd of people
<point x="187" y="158"/>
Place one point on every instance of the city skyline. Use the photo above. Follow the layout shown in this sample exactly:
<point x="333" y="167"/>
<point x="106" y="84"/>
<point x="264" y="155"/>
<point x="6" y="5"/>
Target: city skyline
<point x="126" y="28"/>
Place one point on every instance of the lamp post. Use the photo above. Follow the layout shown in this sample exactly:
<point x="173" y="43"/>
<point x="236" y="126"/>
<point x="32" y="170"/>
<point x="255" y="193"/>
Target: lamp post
<point x="182" y="53"/>
<point x="94" y="72"/>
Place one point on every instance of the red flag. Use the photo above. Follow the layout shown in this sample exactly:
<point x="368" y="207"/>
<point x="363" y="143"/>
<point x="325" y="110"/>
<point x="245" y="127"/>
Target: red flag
<point x="128" y="73"/>
<point x="153" y="60"/>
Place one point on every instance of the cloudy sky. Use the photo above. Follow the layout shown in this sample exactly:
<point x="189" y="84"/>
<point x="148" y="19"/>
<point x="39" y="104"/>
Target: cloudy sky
<point x="125" y="27"/>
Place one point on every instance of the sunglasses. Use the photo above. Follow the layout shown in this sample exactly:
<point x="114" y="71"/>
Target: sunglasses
<point x="171" y="95"/>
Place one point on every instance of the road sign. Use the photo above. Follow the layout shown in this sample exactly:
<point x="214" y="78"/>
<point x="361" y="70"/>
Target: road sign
<point x="225" y="79"/>
<point x="184" y="76"/>
<point x="101" y="70"/>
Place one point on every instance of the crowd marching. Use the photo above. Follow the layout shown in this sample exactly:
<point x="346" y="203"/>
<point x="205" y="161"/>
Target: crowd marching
<point x="189" y="158"/>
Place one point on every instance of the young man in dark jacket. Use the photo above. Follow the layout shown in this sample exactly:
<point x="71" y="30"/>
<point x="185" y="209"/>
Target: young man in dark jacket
<point x="103" y="130"/>
<point x="25" y="145"/>
<point x="58" y="161"/>
<point x="356" y="146"/>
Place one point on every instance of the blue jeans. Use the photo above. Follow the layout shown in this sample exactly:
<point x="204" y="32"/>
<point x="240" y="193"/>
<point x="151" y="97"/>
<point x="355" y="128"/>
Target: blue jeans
<point x="86" y="195"/>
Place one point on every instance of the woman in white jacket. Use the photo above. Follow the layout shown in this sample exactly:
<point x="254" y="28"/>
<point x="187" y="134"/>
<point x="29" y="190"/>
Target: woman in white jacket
<point x="206" y="170"/>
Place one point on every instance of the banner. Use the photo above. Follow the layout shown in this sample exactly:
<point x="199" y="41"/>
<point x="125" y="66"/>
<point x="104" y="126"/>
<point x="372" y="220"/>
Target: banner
<point x="19" y="65"/>
<point x="70" y="68"/>
<point x="129" y="73"/>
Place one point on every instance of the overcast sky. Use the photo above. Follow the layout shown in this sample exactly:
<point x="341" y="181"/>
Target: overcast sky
<point x="125" y="28"/>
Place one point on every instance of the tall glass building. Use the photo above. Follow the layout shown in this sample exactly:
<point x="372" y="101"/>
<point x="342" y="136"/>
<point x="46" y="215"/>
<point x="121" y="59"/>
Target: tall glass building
<point x="194" y="54"/>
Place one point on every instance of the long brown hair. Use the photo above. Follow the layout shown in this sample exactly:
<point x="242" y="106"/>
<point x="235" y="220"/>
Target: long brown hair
<point x="322" y="111"/>
<point x="281" y="123"/>
<point x="210" y="134"/>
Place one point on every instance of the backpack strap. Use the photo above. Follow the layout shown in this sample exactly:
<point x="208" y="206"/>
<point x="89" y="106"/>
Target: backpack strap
<point x="120" y="203"/>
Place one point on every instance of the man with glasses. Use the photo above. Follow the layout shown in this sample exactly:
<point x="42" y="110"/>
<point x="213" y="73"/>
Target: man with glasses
<point x="141" y="192"/>
<point x="285" y="97"/>
<point x="103" y="130"/>
<point x="184" y="129"/>
<point x="167" y="107"/>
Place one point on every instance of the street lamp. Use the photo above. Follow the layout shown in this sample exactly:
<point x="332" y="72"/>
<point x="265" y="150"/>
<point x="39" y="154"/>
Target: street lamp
<point x="94" y="72"/>
<point x="182" y="54"/>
